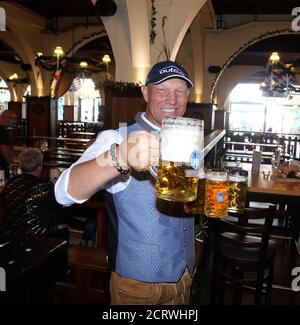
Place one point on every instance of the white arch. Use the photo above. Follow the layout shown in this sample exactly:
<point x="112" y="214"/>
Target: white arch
<point x="222" y="46"/>
<point x="2" y="20"/>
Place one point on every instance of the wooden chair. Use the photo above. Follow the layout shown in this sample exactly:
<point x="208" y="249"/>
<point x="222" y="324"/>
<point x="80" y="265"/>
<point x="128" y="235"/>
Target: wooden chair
<point x="244" y="256"/>
<point x="284" y="230"/>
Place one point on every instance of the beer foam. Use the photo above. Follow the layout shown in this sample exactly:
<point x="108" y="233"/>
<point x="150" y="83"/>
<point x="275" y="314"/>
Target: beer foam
<point x="237" y="179"/>
<point x="217" y="178"/>
<point x="178" y="144"/>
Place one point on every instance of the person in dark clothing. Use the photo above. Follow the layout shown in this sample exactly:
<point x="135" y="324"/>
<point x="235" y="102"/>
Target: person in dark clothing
<point x="7" y="119"/>
<point x="28" y="202"/>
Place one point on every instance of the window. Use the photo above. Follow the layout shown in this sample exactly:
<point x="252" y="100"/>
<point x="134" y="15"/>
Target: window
<point x="4" y="92"/>
<point x="250" y="111"/>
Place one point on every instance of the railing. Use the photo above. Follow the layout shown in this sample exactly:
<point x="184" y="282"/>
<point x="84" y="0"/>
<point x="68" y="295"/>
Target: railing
<point x="213" y="143"/>
<point x="239" y="145"/>
<point x="66" y="129"/>
<point x="40" y="141"/>
<point x="58" y="152"/>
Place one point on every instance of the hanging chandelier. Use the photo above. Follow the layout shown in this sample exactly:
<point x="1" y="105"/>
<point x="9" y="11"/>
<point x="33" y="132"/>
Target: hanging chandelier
<point x="280" y="78"/>
<point x="58" y="60"/>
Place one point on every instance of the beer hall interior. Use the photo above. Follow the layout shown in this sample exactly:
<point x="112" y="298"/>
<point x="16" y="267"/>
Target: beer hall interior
<point x="72" y="69"/>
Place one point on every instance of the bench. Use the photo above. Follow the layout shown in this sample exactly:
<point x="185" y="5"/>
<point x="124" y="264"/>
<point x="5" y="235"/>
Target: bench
<point x="88" y="281"/>
<point x="246" y="156"/>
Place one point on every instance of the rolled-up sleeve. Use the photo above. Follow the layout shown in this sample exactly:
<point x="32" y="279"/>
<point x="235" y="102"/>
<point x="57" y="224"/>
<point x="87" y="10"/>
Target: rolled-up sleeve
<point x="101" y="145"/>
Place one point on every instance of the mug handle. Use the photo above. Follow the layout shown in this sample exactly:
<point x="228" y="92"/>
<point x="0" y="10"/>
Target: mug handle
<point x="153" y="171"/>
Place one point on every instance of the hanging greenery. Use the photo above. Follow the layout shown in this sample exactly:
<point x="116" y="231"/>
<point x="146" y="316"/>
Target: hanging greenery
<point x="165" y="50"/>
<point x="153" y="22"/>
<point x="117" y="85"/>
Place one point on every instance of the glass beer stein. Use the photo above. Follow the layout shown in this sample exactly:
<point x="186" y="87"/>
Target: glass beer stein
<point x="181" y="143"/>
<point x="216" y="194"/>
<point x="237" y="191"/>
<point x="197" y="206"/>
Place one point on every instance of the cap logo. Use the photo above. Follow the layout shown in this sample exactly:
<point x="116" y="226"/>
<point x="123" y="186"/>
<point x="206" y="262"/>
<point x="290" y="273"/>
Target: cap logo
<point x="171" y="69"/>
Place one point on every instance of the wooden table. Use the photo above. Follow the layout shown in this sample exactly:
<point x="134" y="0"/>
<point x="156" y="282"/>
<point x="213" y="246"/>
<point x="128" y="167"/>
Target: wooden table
<point x="279" y="191"/>
<point x="268" y="189"/>
<point x="32" y="265"/>
<point x="81" y="134"/>
<point x="260" y="184"/>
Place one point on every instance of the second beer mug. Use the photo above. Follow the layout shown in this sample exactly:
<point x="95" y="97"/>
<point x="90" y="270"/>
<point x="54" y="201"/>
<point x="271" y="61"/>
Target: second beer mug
<point x="216" y="194"/>
<point x="237" y="191"/>
<point x="181" y="143"/>
<point x="197" y="206"/>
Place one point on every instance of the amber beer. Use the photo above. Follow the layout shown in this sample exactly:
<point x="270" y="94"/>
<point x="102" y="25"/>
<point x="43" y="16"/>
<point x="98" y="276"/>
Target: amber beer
<point x="237" y="193"/>
<point x="173" y="185"/>
<point x="216" y="195"/>
<point x="197" y="206"/>
<point x="181" y="143"/>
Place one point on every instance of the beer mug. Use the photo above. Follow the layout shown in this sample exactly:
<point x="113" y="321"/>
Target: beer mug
<point x="216" y="194"/>
<point x="197" y="206"/>
<point x="180" y="145"/>
<point x="237" y="191"/>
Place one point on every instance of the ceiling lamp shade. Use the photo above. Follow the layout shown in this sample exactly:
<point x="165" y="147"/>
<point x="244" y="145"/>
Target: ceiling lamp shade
<point x="105" y="8"/>
<point x="59" y="60"/>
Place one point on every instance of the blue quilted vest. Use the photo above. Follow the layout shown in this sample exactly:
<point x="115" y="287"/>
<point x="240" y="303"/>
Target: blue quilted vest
<point x="149" y="239"/>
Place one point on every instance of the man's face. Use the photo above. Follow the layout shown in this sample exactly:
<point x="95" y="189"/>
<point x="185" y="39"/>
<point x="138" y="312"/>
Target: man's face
<point x="167" y="99"/>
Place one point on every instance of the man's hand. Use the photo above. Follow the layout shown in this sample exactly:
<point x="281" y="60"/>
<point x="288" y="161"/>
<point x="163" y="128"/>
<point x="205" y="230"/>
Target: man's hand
<point x="141" y="149"/>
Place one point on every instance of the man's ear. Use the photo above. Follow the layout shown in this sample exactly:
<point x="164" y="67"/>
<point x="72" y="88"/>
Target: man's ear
<point x="144" y="90"/>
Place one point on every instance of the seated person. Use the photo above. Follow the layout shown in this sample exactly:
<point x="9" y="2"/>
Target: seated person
<point x="7" y="119"/>
<point x="28" y="202"/>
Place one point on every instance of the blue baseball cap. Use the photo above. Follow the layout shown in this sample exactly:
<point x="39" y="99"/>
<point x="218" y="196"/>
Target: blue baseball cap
<point x="165" y="70"/>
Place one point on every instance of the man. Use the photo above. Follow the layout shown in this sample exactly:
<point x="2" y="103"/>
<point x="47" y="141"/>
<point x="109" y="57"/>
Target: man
<point x="151" y="253"/>
<point x="28" y="202"/>
<point x="7" y="119"/>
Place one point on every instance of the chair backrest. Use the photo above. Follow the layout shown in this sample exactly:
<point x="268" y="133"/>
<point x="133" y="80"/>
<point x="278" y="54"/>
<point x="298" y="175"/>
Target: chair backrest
<point x="251" y="233"/>
<point x="242" y="255"/>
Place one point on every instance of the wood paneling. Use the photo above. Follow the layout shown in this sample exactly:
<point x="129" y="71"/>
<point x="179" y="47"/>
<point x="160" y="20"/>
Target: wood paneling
<point x="16" y="107"/>
<point x="220" y="120"/>
<point x="68" y="113"/>
<point x="122" y="106"/>
<point x="38" y="115"/>
<point x="202" y="112"/>
<point x="124" y="109"/>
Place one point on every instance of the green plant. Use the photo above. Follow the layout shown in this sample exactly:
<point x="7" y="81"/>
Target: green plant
<point x="118" y="85"/>
<point x="153" y="22"/>
<point x="165" y="49"/>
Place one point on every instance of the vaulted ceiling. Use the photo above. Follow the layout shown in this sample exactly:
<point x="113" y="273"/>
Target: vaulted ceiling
<point x="287" y="45"/>
<point x="255" y="7"/>
<point x="70" y="8"/>
<point x="59" y="8"/>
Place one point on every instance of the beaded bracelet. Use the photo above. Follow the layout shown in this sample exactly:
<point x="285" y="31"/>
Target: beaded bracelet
<point x="115" y="162"/>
